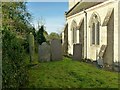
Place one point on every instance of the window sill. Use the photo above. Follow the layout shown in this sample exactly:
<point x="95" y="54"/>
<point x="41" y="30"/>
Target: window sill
<point x="75" y="43"/>
<point x="95" y="45"/>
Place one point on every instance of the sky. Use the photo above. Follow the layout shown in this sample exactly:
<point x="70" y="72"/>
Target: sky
<point x="51" y="13"/>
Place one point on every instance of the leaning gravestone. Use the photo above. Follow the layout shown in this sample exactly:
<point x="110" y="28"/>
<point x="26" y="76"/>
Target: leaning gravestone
<point x="44" y="52"/>
<point x="77" y="52"/>
<point x="56" y="50"/>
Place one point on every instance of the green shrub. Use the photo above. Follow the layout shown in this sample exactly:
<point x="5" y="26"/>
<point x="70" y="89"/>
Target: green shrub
<point x="14" y="71"/>
<point x="40" y="35"/>
<point x="25" y="44"/>
<point x="36" y="47"/>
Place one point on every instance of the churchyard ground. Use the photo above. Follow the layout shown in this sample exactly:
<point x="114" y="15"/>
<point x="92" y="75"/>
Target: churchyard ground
<point x="69" y="74"/>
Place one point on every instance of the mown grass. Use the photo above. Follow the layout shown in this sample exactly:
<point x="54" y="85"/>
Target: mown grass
<point x="70" y="74"/>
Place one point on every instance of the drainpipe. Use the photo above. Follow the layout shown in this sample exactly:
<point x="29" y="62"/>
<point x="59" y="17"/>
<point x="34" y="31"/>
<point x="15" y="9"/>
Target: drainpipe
<point x="86" y="31"/>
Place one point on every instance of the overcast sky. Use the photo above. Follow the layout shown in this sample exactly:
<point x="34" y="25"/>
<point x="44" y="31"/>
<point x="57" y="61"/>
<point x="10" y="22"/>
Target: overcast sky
<point x="51" y="12"/>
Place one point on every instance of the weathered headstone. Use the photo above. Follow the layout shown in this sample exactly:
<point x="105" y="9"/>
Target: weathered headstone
<point x="116" y="66"/>
<point x="77" y="52"/>
<point x="44" y="52"/>
<point x="31" y="46"/>
<point x="56" y="50"/>
<point x="100" y="62"/>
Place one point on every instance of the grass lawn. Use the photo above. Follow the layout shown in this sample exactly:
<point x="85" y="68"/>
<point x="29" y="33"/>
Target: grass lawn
<point x="70" y="74"/>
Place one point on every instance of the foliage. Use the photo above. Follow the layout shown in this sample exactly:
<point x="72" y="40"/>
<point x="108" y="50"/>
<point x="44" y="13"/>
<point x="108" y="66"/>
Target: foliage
<point x="40" y="35"/>
<point x="70" y="74"/>
<point x="14" y="72"/>
<point x="33" y="31"/>
<point x="25" y="44"/>
<point x="15" y="25"/>
<point x="36" y="47"/>
<point x="15" y="17"/>
<point x="53" y="35"/>
<point x="45" y="34"/>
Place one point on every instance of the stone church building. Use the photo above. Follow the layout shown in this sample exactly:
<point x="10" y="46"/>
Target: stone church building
<point x="95" y="26"/>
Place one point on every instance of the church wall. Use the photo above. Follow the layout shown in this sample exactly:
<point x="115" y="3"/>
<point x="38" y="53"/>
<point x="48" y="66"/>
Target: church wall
<point x="69" y="21"/>
<point x="93" y="50"/>
<point x="81" y="37"/>
<point x="118" y="32"/>
<point x="109" y="52"/>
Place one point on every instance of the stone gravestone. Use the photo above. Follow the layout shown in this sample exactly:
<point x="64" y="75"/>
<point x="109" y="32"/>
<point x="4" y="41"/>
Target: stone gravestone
<point x="116" y="66"/>
<point x="100" y="61"/>
<point x="77" y="52"/>
<point x="31" y="46"/>
<point x="56" y="50"/>
<point x="44" y="52"/>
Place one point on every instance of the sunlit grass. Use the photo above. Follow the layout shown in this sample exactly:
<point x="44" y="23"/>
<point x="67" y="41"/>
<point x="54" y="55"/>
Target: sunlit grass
<point x="70" y="74"/>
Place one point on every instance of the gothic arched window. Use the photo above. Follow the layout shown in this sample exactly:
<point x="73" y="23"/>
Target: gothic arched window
<point x="95" y="29"/>
<point x="97" y="33"/>
<point x="74" y="32"/>
<point x="93" y="33"/>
